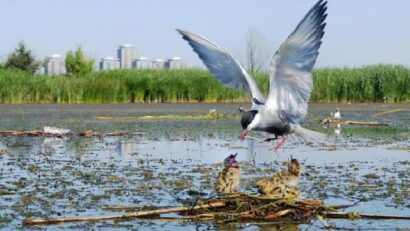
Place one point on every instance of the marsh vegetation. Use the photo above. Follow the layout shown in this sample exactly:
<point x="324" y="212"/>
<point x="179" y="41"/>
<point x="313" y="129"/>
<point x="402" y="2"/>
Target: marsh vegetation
<point x="380" y="83"/>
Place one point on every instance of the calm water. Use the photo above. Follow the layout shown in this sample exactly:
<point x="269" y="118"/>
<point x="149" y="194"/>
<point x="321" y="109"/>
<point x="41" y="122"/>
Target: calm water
<point x="73" y="176"/>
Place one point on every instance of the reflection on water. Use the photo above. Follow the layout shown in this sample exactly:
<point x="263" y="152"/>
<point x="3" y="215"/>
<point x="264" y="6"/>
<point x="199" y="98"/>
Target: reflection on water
<point x="75" y="176"/>
<point x="338" y="130"/>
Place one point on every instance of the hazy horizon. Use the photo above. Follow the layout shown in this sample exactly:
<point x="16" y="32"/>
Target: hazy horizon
<point x="357" y="32"/>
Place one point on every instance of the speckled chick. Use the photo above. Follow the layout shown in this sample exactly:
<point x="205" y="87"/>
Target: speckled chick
<point x="228" y="179"/>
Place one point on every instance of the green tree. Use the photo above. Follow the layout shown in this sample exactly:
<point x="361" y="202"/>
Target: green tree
<point x="77" y="64"/>
<point x="22" y="59"/>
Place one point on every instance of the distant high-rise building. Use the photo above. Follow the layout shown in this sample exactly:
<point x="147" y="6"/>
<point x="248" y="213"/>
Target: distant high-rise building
<point x="175" y="63"/>
<point x="109" y="63"/>
<point x="142" y="63"/>
<point x="126" y="54"/>
<point x="158" y="63"/>
<point x="55" y="65"/>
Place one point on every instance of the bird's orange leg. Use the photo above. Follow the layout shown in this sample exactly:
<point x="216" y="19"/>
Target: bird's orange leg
<point x="280" y="143"/>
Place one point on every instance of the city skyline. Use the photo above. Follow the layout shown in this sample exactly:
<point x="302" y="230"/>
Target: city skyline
<point x="357" y="33"/>
<point x="127" y="58"/>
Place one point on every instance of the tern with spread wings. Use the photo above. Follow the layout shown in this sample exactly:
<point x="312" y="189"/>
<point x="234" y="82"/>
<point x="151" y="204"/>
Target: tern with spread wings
<point x="290" y="78"/>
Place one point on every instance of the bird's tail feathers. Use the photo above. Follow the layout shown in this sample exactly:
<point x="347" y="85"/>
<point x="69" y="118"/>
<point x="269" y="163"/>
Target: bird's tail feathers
<point x="309" y="135"/>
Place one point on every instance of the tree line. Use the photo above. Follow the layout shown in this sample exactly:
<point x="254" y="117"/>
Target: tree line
<point x="23" y="59"/>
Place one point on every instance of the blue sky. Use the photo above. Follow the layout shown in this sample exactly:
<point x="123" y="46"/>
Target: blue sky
<point x="358" y="32"/>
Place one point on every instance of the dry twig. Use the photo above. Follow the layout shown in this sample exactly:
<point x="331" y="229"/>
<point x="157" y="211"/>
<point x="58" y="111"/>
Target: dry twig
<point x="40" y="221"/>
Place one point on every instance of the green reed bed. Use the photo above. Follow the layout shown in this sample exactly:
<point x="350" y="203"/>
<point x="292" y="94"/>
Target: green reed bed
<point x="120" y="86"/>
<point x="377" y="83"/>
<point x="367" y="84"/>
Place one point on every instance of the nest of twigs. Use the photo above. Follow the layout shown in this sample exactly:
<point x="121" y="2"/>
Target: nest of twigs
<point x="231" y="208"/>
<point x="242" y="207"/>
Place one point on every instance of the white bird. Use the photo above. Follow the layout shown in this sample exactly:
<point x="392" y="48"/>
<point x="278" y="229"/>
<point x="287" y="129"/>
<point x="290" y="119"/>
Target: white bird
<point x="56" y="131"/>
<point x="290" y="78"/>
<point x="337" y="114"/>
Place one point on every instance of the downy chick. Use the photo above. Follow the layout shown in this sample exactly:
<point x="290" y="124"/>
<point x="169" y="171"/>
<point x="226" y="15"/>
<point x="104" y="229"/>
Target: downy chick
<point x="228" y="180"/>
<point x="283" y="184"/>
<point x="277" y="190"/>
<point x="291" y="176"/>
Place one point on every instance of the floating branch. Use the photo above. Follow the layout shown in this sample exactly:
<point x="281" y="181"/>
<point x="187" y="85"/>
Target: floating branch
<point x="356" y="215"/>
<point x="351" y="122"/>
<point x="39" y="221"/>
<point x="365" y="123"/>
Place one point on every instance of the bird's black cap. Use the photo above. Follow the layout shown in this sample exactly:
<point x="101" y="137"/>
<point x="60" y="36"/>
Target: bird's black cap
<point x="247" y="118"/>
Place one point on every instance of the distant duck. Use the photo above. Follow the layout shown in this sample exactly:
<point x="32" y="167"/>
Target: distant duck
<point x="228" y="179"/>
<point x="337" y="114"/>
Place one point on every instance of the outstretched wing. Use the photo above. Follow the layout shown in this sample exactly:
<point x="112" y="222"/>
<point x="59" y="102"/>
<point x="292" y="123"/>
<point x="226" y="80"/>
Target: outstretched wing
<point x="291" y="80"/>
<point x="221" y="64"/>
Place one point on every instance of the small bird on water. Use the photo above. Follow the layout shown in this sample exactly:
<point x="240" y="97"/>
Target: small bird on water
<point x="290" y="78"/>
<point x="337" y="114"/>
<point x="228" y="180"/>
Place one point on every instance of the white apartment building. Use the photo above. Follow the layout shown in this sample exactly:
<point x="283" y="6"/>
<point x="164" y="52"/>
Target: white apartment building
<point x="109" y="63"/>
<point x="126" y="54"/>
<point x="55" y="65"/>
<point x="158" y="64"/>
<point x="142" y="63"/>
<point x="175" y="63"/>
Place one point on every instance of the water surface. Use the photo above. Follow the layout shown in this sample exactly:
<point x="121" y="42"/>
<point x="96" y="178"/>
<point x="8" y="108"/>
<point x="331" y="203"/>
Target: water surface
<point x="77" y="176"/>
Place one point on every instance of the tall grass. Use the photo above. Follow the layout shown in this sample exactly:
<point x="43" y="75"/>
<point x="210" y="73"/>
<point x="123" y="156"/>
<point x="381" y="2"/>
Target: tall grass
<point x="119" y="86"/>
<point x="367" y="84"/>
<point x="375" y="83"/>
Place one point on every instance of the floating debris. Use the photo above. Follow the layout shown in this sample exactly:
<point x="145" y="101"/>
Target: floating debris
<point x="350" y="122"/>
<point x="56" y="131"/>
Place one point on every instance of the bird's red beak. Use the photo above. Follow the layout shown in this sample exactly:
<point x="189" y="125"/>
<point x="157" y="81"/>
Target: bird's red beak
<point x="244" y="133"/>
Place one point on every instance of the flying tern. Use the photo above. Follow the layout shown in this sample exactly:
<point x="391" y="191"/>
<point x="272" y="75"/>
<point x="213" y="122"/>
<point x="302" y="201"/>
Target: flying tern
<point x="290" y="78"/>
